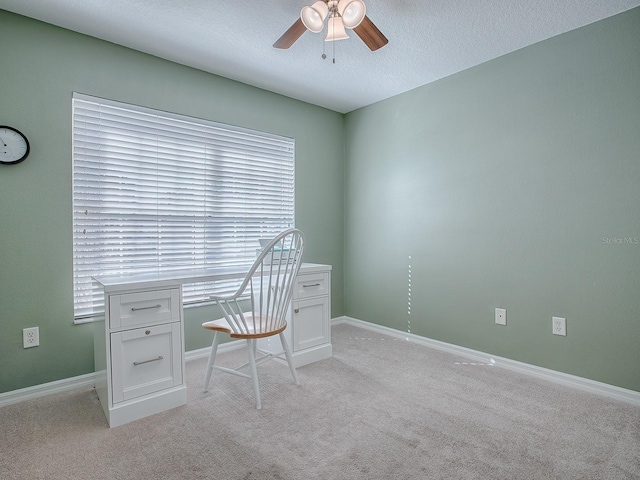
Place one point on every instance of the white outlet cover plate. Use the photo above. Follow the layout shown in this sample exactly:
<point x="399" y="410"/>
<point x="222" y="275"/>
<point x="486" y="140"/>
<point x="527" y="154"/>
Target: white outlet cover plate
<point x="559" y="326"/>
<point x="30" y="337"/>
<point x="501" y="316"/>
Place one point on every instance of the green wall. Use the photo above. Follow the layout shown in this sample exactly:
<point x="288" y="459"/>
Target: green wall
<point x="514" y="184"/>
<point x="41" y="66"/>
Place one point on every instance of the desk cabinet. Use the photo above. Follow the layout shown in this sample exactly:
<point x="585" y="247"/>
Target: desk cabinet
<point x="141" y="366"/>
<point x="309" y="322"/>
<point x="311" y="312"/>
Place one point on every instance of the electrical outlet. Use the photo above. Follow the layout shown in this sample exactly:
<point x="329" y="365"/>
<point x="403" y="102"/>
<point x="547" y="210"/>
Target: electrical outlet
<point x="30" y="337"/>
<point x="501" y="316"/>
<point x="559" y="326"/>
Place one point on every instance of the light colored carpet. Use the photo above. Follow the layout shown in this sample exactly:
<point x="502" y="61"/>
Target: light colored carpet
<point x="381" y="408"/>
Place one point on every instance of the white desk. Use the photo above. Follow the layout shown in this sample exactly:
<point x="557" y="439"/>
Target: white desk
<point x="139" y="344"/>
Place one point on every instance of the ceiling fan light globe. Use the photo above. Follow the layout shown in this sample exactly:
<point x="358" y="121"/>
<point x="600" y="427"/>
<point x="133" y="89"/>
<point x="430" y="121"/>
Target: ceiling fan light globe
<point x="313" y="17"/>
<point x="335" y="30"/>
<point x="352" y="12"/>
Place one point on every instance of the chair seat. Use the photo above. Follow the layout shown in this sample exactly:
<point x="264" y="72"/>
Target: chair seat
<point x="261" y="329"/>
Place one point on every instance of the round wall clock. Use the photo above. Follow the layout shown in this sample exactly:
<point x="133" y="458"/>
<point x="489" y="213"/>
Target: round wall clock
<point x="14" y="146"/>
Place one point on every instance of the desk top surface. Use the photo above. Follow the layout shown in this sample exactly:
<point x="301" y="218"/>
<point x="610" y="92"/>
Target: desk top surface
<point x="116" y="283"/>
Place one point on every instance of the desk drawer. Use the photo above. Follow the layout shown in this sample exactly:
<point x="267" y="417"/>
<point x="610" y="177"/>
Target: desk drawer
<point x="146" y="360"/>
<point x="144" y="308"/>
<point x="311" y="285"/>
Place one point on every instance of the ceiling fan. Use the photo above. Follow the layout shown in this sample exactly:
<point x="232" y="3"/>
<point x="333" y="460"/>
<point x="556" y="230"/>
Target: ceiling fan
<point x="341" y="14"/>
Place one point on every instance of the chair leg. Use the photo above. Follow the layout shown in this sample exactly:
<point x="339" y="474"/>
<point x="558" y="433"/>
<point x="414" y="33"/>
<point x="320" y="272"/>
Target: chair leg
<point x="251" y="346"/>
<point x="287" y="352"/>
<point x="212" y="357"/>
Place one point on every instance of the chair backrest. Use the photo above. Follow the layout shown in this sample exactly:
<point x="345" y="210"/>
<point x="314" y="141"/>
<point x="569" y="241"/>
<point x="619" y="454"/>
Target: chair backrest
<point x="268" y="287"/>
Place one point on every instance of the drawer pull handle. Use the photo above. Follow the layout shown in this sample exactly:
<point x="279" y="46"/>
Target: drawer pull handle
<point x="160" y="357"/>
<point x="297" y="310"/>
<point x="135" y="309"/>
<point x="312" y="285"/>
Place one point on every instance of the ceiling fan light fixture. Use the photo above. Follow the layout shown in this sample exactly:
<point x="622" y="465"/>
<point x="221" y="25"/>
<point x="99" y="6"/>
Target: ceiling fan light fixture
<point x="313" y="17"/>
<point x="352" y="12"/>
<point x="339" y="14"/>
<point x="335" y="29"/>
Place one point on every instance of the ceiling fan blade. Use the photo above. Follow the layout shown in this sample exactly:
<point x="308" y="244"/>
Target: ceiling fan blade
<point x="289" y="37"/>
<point x="370" y="35"/>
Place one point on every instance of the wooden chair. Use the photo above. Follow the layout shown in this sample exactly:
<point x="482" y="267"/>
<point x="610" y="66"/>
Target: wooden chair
<point x="266" y="294"/>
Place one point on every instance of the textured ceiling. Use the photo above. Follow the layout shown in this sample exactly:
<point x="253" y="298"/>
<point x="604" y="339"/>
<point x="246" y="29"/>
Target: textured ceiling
<point x="428" y="40"/>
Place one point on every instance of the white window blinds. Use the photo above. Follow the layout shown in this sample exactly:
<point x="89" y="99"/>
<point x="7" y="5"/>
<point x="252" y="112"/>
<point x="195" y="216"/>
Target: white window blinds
<point x="154" y="191"/>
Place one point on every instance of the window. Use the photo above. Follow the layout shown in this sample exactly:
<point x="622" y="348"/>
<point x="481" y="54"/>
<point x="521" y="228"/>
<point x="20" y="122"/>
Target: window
<point x="157" y="192"/>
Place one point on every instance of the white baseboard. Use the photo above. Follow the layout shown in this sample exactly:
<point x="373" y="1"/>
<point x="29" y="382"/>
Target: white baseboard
<point x="584" y="384"/>
<point x="24" y="394"/>
<point x="204" y="352"/>
<point x="89" y="379"/>
<point x="611" y="391"/>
